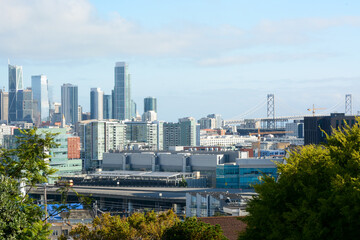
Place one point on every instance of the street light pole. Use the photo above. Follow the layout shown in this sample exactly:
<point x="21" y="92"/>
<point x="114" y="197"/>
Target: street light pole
<point x="45" y="202"/>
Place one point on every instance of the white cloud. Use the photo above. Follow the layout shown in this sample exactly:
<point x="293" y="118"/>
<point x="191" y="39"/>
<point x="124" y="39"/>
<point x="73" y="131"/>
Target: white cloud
<point x="63" y="29"/>
<point x="58" y="28"/>
<point x="273" y="57"/>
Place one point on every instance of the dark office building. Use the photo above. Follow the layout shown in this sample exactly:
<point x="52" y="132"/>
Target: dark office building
<point x="313" y="126"/>
<point x="107" y="106"/>
<point x="150" y="104"/>
<point x="25" y="105"/>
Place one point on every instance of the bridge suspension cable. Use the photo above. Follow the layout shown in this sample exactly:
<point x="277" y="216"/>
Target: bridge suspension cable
<point x="329" y="110"/>
<point x="251" y="110"/>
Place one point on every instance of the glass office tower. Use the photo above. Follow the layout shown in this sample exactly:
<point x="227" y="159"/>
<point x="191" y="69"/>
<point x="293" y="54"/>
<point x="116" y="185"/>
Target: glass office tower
<point x="69" y="103"/>
<point x="133" y="109"/>
<point x="25" y="105"/>
<point x="15" y="84"/>
<point x="122" y="98"/>
<point x="39" y="85"/>
<point x="96" y="103"/>
<point x="107" y="106"/>
<point x="150" y="104"/>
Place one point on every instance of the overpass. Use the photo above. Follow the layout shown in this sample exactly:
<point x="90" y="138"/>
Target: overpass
<point x="127" y="199"/>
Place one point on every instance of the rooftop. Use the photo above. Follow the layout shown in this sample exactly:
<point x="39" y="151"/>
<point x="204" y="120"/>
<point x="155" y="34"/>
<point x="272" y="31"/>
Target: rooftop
<point x="231" y="226"/>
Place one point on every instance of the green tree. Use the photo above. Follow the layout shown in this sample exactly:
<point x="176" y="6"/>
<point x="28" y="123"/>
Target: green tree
<point x="20" y="217"/>
<point x="193" y="229"/>
<point x="317" y="195"/>
<point x="183" y="182"/>
<point x="137" y="226"/>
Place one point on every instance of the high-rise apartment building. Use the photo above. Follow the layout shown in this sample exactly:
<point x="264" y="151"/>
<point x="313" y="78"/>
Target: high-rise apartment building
<point x="39" y="86"/>
<point x="69" y="103"/>
<point x="143" y="132"/>
<point x="188" y="131"/>
<point x="4" y="105"/>
<point x="112" y="104"/>
<point x="98" y="137"/>
<point x="96" y="103"/>
<point x="218" y="120"/>
<point x="207" y="123"/>
<point x="80" y="112"/>
<point x="150" y="104"/>
<point x="107" y="107"/>
<point x="122" y="91"/>
<point x="15" y="84"/>
<point x="149" y="116"/>
<point x="171" y="135"/>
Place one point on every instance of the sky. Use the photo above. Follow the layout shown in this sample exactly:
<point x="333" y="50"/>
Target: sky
<point x="196" y="57"/>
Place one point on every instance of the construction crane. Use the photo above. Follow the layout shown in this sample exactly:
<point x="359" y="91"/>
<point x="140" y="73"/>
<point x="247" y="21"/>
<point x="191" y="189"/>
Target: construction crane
<point x="263" y="133"/>
<point x="313" y="109"/>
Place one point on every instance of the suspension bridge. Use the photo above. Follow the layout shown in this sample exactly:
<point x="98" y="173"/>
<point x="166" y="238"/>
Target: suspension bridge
<point x="271" y="121"/>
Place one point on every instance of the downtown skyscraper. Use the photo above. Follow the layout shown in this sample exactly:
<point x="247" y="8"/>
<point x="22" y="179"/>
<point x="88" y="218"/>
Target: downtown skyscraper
<point x="107" y="107"/>
<point x="96" y="104"/>
<point x="39" y="85"/>
<point x="69" y="103"/>
<point x="150" y="104"/>
<point x="122" y="90"/>
<point x="4" y="105"/>
<point x="15" y="84"/>
<point x="25" y="105"/>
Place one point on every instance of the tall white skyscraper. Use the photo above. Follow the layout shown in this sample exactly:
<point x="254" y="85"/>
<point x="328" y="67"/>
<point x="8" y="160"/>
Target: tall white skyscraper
<point x="39" y="85"/>
<point x="4" y="105"/>
<point x="69" y="103"/>
<point x="96" y="103"/>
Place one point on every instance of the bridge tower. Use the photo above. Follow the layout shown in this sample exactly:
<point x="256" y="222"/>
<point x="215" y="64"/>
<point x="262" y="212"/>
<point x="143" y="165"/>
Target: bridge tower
<point x="348" y="104"/>
<point x="271" y="111"/>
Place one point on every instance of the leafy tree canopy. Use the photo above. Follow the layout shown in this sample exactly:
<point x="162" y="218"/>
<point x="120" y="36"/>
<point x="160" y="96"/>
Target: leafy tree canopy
<point x="193" y="229"/>
<point x="146" y="226"/>
<point x="20" y="218"/>
<point x="317" y="195"/>
<point x="137" y="226"/>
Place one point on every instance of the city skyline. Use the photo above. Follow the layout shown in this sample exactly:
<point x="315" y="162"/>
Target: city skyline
<point x="217" y="58"/>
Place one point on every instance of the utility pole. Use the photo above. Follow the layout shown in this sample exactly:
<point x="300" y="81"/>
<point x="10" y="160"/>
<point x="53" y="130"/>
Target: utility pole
<point x="45" y="202"/>
<point x="95" y="208"/>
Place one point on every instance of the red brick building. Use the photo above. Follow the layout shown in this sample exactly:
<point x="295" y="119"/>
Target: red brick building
<point x="73" y="147"/>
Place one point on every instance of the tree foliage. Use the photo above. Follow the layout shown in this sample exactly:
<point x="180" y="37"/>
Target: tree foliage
<point x="137" y="226"/>
<point x="20" y="217"/>
<point x="153" y="226"/>
<point x="317" y="195"/>
<point x="193" y="229"/>
<point x="28" y="160"/>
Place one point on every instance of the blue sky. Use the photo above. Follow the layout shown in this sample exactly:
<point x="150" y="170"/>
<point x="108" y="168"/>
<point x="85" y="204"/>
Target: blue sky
<point x="196" y="57"/>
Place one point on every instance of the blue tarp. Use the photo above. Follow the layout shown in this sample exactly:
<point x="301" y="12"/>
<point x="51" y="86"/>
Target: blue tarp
<point x="53" y="212"/>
